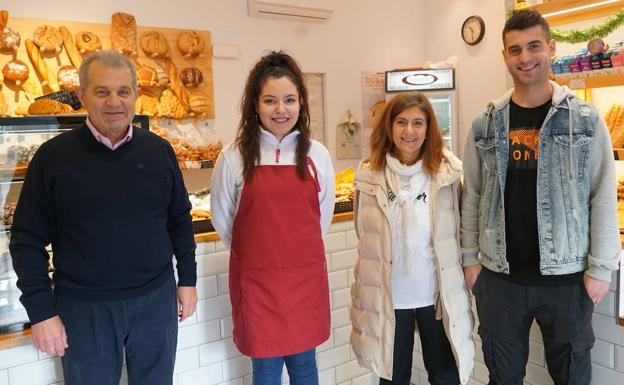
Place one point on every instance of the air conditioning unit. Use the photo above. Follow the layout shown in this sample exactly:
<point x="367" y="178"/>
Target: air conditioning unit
<point x="294" y="10"/>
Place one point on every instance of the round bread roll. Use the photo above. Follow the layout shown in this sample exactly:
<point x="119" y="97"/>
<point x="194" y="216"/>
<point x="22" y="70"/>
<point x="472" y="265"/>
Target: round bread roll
<point x="15" y="71"/>
<point x="9" y="39"/>
<point x="191" y="77"/>
<point x="87" y="42"/>
<point x="68" y="77"/>
<point x="190" y="43"/>
<point x="48" y="39"/>
<point x="146" y="76"/>
<point x="154" y="44"/>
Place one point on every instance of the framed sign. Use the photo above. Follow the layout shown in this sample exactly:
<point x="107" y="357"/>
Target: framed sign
<point x="420" y="80"/>
<point x="316" y="101"/>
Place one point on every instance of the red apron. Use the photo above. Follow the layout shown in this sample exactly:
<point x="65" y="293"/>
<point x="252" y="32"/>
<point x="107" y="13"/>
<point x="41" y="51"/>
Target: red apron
<point x="278" y="276"/>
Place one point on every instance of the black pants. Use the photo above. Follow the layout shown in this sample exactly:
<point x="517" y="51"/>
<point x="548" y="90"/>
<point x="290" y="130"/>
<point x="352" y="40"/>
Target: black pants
<point x="436" y="350"/>
<point x="507" y="310"/>
<point x="99" y="333"/>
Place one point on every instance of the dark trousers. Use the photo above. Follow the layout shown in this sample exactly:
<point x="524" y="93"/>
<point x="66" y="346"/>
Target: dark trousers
<point x="301" y="369"/>
<point x="98" y="333"/>
<point x="507" y="310"/>
<point x="436" y="349"/>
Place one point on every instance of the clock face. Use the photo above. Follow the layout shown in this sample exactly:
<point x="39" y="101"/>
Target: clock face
<point x="473" y="30"/>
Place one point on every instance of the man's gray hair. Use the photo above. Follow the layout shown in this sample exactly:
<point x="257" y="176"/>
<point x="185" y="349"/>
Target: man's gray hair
<point x="110" y="59"/>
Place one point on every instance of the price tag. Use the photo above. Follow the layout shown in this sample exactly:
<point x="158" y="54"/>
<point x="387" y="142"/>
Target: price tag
<point x="577" y="84"/>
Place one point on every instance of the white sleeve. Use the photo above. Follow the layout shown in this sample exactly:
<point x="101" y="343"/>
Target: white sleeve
<point x="327" y="195"/>
<point x="223" y="196"/>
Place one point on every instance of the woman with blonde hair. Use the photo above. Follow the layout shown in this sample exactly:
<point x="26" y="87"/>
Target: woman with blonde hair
<point x="409" y="273"/>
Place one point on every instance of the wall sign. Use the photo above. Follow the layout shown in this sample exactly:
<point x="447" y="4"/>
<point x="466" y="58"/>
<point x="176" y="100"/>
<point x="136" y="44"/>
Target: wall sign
<point x="420" y="80"/>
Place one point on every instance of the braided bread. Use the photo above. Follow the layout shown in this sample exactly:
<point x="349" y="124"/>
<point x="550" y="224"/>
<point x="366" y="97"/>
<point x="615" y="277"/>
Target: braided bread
<point x="49" y="77"/>
<point x="124" y="34"/>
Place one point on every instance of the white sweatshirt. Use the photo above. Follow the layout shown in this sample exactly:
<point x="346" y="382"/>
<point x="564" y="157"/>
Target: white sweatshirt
<point x="227" y="179"/>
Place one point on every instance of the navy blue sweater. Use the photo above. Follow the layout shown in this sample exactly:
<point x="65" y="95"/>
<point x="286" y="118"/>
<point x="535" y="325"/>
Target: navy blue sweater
<point x="114" y="219"/>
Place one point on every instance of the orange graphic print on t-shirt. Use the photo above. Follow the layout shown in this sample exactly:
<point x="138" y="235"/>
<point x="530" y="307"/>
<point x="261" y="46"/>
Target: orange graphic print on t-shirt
<point x="524" y="144"/>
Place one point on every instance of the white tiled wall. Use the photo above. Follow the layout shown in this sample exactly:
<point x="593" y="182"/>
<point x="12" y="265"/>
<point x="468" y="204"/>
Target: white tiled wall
<point x="206" y="354"/>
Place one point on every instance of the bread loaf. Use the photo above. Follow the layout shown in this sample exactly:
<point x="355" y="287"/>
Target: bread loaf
<point x="124" y="34"/>
<point x="48" y="38"/>
<point x="9" y="39"/>
<point x="49" y="78"/>
<point x="191" y="77"/>
<point x="88" y="42"/>
<point x="190" y="43"/>
<point x="15" y="71"/>
<point x="176" y="85"/>
<point x="154" y="44"/>
<point x="70" y="47"/>
<point x="4" y="18"/>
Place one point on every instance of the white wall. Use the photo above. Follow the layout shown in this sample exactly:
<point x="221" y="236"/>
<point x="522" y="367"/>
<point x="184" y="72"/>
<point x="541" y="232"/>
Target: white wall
<point x="481" y="72"/>
<point x="361" y="35"/>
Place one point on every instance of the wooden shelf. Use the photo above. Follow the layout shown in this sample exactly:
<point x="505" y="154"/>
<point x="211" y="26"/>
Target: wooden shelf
<point x="592" y="80"/>
<point x="601" y="10"/>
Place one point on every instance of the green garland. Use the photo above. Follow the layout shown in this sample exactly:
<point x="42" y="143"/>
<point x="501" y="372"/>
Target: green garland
<point x="585" y="35"/>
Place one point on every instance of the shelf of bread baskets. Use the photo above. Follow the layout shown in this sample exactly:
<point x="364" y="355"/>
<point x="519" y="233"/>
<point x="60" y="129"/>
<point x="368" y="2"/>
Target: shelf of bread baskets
<point x="188" y="155"/>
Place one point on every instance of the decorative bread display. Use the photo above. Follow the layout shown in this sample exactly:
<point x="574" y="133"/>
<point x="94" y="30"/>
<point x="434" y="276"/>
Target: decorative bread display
<point x="147" y="105"/>
<point x="47" y="106"/>
<point x="15" y="71"/>
<point x="146" y="76"/>
<point x="9" y="39"/>
<point x="190" y="43"/>
<point x="88" y="42"/>
<point x="68" y="78"/>
<point x="49" y="78"/>
<point x="176" y="84"/>
<point x="124" y="34"/>
<point x="170" y="106"/>
<point x="48" y="38"/>
<point x="154" y="44"/>
<point x="70" y="48"/>
<point x="191" y="77"/>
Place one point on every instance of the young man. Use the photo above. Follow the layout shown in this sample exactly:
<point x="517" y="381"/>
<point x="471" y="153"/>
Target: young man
<point x="111" y="200"/>
<point x="539" y="207"/>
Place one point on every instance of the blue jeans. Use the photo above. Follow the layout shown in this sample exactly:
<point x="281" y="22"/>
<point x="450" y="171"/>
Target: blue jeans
<point x="301" y="369"/>
<point x="99" y="333"/>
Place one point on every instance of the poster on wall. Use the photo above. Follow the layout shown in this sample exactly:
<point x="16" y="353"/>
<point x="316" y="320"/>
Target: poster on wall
<point x="373" y="102"/>
<point x="348" y="138"/>
<point x="316" y="101"/>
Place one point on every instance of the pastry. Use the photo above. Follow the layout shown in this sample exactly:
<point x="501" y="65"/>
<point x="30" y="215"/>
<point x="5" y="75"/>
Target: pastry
<point x="68" y="77"/>
<point x="124" y="34"/>
<point x="9" y="39"/>
<point x="162" y="77"/>
<point x="70" y="48"/>
<point x="4" y="18"/>
<point x="146" y="105"/>
<point x="45" y="106"/>
<point x="199" y="103"/>
<point x="49" y="77"/>
<point x="170" y="106"/>
<point x="15" y="71"/>
<point x="176" y="84"/>
<point x="146" y="76"/>
<point x="191" y="77"/>
<point x="190" y="43"/>
<point x="48" y="39"/>
<point x="88" y="42"/>
<point x="154" y="44"/>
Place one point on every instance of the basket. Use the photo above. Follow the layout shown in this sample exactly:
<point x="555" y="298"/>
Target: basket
<point x="202" y="226"/>
<point x="343" y="207"/>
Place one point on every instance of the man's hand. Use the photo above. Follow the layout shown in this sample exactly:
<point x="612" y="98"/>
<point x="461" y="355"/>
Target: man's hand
<point x="596" y="289"/>
<point x="49" y="336"/>
<point x="187" y="301"/>
<point x="471" y="273"/>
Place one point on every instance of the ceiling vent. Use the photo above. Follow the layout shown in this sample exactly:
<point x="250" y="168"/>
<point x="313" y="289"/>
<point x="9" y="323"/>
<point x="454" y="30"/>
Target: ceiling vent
<point x="294" y="10"/>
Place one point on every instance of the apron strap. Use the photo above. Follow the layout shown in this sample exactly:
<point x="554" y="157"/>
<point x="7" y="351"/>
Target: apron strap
<point x="316" y="180"/>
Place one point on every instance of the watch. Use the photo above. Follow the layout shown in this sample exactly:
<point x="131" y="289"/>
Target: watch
<point x="473" y="30"/>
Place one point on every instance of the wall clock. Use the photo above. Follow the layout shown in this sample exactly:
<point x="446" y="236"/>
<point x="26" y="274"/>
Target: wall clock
<point x="473" y="30"/>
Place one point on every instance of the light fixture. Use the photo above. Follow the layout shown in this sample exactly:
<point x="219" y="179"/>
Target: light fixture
<point x="579" y="8"/>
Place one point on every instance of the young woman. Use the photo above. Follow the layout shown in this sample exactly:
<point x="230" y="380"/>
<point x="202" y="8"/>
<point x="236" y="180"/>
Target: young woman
<point x="409" y="274"/>
<point x="272" y="199"/>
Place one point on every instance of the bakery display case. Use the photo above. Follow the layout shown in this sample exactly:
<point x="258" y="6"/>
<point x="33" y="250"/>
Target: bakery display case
<point x="19" y="139"/>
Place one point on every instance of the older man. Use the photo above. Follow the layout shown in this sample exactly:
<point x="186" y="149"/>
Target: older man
<point x="111" y="200"/>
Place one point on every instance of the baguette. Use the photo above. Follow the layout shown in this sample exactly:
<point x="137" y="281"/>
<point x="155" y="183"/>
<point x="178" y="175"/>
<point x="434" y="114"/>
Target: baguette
<point x="49" y="78"/>
<point x="176" y="85"/>
<point x="612" y="115"/>
<point x="70" y="47"/>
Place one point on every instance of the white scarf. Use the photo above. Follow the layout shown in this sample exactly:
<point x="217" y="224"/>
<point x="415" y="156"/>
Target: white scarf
<point x="406" y="250"/>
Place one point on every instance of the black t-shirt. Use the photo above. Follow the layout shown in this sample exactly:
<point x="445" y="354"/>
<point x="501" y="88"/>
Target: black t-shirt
<point x="521" y="229"/>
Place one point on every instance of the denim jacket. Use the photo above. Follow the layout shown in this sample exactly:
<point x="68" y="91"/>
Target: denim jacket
<point x="576" y="190"/>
